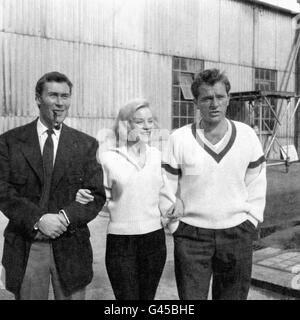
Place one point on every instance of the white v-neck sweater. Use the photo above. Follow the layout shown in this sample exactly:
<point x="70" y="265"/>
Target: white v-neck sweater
<point x="133" y="191"/>
<point x="220" y="185"/>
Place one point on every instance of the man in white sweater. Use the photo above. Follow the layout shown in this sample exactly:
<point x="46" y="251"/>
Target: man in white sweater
<point x="217" y="169"/>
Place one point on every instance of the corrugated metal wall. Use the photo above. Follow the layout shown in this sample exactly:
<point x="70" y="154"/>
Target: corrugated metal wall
<point x="216" y="30"/>
<point x="104" y="78"/>
<point x="114" y="50"/>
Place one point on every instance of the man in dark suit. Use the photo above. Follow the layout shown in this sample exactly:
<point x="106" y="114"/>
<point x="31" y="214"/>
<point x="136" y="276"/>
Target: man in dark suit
<point x="42" y="165"/>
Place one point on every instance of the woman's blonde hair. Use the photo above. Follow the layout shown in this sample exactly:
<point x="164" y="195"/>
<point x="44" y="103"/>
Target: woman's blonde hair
<point x="121" y="127"/>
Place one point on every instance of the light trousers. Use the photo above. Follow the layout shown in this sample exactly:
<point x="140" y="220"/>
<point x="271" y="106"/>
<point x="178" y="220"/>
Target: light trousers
<point x="40" y="270"/>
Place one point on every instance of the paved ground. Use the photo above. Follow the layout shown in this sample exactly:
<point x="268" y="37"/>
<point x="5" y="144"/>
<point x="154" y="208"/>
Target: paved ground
<point x="100" y="288"/>
<point x="282" y="223"/>
<point x="283" y="195"/>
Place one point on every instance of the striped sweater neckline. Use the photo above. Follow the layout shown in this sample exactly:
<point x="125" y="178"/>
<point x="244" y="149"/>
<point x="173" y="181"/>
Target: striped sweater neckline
<point x="224" y="149"/>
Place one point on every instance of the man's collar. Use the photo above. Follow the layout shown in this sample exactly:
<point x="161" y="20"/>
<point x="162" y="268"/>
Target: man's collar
<point x="41" y="129"/>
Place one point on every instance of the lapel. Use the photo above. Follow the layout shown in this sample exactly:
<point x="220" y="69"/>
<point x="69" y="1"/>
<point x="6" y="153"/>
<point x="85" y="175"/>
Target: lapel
<point x="67" y="145"/>
<point x="30" y="147"/>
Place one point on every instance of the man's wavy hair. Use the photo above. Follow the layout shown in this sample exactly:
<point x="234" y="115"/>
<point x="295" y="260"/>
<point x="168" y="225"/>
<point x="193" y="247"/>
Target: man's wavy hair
<point x="53" y="76"/>
<point x="209" y="77"/>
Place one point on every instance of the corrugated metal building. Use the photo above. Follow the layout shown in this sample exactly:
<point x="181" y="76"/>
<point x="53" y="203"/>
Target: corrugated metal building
<point x="114" y="50"/>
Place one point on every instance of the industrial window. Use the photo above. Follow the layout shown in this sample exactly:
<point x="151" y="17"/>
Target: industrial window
<point x="264" y="119"/>
<point x="183" y="110"/>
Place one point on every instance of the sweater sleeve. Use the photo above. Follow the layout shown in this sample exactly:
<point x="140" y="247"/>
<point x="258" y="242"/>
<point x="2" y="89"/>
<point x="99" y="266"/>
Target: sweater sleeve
<point x="80" y="214"/>
<point x="171" y="172"/>
<point x="107" y="182"/>
<point x="256" y="182"/>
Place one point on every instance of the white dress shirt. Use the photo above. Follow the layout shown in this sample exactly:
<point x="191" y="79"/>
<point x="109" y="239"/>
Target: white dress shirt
<point x="42" y="134"/>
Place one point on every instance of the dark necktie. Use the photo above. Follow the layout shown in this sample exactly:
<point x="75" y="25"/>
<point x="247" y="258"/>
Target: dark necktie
<point x="48" y="155"/>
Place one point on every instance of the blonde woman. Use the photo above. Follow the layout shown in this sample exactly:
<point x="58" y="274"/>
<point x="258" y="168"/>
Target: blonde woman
<point x="135" y="248"/>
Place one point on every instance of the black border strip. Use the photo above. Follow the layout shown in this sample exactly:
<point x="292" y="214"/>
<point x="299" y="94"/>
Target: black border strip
<point x="256" y="163"/>
<point x="171" y="170"/>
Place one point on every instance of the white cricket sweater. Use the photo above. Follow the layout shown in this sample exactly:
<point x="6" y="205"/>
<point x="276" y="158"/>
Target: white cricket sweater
<point x="220" y="185"/>
<point x="133" y="192"/>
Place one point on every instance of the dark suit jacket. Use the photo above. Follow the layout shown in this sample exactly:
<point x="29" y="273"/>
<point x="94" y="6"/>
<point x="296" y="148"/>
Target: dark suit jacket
<point x="21" y="181"/>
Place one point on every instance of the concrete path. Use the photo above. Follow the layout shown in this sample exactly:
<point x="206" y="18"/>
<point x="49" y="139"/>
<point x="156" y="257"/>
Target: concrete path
<point x="100" y="288"/>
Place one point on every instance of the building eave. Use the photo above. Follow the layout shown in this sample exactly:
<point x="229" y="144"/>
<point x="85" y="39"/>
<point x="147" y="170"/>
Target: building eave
<point x="274" y="7"/>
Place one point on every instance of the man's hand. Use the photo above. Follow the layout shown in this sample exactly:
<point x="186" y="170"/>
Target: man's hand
<point x="52" y="225"/>
<point x="179" y="208"/>
<point x="176" y="211"/>
<point x="40" y="236"/>
<point x="84" y="196"/>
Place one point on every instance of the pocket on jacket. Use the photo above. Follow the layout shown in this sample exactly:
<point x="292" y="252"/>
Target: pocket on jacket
<point x="75" y="182"/>
<point x="9" y="237"/>
<point x="75" y="178"/>
<point x="83" y="234"/>
<point x="18" y="178"/>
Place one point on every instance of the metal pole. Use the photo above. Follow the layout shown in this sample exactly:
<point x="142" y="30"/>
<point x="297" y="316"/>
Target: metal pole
<point x="295" y="110"/>
<point x="274" y="132"/>
<point x="270" y="106"/>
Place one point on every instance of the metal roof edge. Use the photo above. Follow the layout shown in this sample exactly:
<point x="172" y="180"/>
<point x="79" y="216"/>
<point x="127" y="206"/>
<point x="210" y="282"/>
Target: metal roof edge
<point x="271" y="6"/>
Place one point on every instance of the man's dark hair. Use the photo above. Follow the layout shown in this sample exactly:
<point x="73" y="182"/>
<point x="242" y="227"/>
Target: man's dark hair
<point x="210" y="77"/>
<point x="53" y="76"/>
